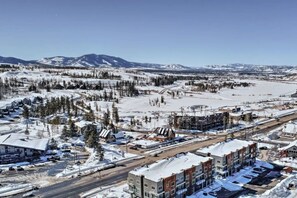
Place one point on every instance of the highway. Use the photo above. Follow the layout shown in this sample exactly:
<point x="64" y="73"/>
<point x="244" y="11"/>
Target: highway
<point x="73" y="187"/>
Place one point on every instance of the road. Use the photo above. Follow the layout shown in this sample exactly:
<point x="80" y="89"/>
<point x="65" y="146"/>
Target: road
<point x="73" y="187"/>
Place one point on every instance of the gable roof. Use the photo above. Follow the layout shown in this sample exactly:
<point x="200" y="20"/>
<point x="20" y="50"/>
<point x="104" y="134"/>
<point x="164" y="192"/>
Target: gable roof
<point x="163" y="131"/>
<point x="290" y="127"/>
<point x="289" y="146"/>
<point x="104" y="133"/>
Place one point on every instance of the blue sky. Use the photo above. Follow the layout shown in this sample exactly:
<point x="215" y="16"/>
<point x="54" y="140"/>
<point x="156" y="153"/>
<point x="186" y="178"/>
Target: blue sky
<point x="188" y="32"/>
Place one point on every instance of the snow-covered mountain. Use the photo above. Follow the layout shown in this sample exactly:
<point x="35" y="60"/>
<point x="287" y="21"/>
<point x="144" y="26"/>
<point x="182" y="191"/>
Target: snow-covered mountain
<point x="92" y="60"/>
<point x="240" y="67"/>
<point x="14" y="61"/>
<point x="88" y="60"/>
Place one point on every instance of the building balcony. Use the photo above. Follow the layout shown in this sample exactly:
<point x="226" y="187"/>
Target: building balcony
<point x="200" y="182"/>
<point x="179" y="192"/>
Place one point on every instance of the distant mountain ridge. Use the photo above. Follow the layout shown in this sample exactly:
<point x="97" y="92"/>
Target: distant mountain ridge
<point x="91" y="60"/>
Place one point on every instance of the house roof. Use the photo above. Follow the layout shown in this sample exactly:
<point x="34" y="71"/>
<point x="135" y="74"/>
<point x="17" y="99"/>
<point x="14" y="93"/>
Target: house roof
<point x="289" y="146"/>
<point x="104" y="133"/>
<point x="166" y="167"/>
<point x="290" y="127"/>
<point x="226" y="147"/>
<point x="19" y="140"/>
<point x="163" y="131"/>
<point x="82" y="123"/>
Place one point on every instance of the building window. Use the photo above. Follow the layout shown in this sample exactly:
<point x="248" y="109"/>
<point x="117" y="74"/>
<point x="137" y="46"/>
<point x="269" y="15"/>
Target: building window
<point x="153" y="188"/>
<point x="145" y="185"/>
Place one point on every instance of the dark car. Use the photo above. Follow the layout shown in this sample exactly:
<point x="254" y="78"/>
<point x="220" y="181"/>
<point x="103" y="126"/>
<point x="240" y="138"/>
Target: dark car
<point x="133" y="147"/>
<point x="11" y="168"/>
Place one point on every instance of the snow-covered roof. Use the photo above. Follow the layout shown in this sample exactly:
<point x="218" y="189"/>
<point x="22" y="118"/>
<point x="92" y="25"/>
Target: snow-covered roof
<point x="18" y="140"/>
<point x="290" y="127"/>
<point x="166" y="167"/>
<point x="119" y="135"/>
<point x="289" y="146"/>
<point x="104" y="133"/>
<point x="226" y="147"/>
<point x="163" y="131"/>
<point x="82" y="123"/>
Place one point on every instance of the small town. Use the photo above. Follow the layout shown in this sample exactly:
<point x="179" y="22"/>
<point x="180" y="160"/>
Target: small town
<point x="207" y="110"/>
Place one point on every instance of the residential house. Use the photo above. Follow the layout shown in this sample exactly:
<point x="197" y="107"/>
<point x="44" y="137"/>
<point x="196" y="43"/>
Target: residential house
<point x="176" y="177"/>
<point x="83" y="126"/>
<point x="290" y="130"/>
<point x="231" y="155"/>
<point x="107" y="135"/>
<point x="162" y="134"/>
<point x="289" y="151"/>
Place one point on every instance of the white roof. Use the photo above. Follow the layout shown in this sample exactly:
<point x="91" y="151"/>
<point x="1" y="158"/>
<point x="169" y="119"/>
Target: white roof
<point x="163" y="131"/>
<point x="166" y="167"/>
<point x="290" y="127"/>
<point x="289" y="146"/>
<point x="19" y="140"/>
<point x="83" y="123"/>
<point x="119" y="135"/>
<point x="104" y="133"/>
<point x="226" y="147"/>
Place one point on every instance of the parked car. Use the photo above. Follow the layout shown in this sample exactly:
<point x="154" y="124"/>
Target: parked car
<point x="133" y="147"/>
<point x="11" y="168"/>
<point x="19" y="168"/>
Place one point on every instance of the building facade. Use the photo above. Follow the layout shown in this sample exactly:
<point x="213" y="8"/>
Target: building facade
<point x="17" y="148"/>
<point x="199" y="122"/>
<point x="289" y="151"/>
<point x="230" y="156"/>
<point x="173" y="177"/>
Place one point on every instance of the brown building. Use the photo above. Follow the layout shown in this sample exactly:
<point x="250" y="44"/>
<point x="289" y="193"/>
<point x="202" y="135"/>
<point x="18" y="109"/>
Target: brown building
<point x="198" y="121"/>
<point x="173" y="177"/>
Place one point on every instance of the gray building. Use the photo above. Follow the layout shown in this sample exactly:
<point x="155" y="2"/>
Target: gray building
<point x="231" y="155"/>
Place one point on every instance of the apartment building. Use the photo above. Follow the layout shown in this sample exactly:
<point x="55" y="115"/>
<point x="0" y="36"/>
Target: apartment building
<point x="231" y="155"/>
<point x="172" y="177"/>
<point x="17" y="147"/>
<point x="199" y="120"/>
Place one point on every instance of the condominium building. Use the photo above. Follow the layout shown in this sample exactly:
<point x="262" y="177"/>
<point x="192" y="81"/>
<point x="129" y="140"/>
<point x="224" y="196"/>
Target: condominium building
<point x="231" y="155"/>
<point x="172" y="177"/>
<point x="17" y="148"/>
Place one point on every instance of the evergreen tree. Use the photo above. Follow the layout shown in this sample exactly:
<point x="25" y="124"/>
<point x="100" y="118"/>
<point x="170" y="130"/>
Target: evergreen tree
<point x="92" y="139"/>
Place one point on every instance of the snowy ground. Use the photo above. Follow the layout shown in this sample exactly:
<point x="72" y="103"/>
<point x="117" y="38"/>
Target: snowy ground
<point x="228" y="182"/>
<point x="112" y="154"/>
<point x="281" y="190"/>
<point x="287" y="161"/>
<point x="109" y="191"/>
